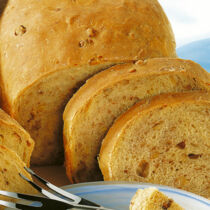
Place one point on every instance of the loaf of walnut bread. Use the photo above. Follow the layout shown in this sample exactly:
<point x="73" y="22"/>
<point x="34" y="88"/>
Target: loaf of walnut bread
<point x="10" y="167"/>
<point x="13" y="136"/>
<point x="152" y="199"/>
<point x="51" y="47"/>
<point x="162" y="140"/>
<point x="95" y="106"/>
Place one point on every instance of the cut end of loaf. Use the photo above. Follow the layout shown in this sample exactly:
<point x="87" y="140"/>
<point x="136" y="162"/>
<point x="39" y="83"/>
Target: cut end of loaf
<point x="39" y="110"/>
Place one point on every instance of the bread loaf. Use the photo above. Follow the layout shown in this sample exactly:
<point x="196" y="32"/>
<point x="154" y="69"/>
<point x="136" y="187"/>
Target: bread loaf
<point x="92" y="110"/>
<point x="13" y="136"/>
<point x="10" y="167"/>
<point x="50" y="47"/>
<point x="162" y="140"/>
<point x="152" y="199"/>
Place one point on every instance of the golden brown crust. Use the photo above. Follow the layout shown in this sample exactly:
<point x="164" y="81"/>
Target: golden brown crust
<point x="47" y="36"/>
<point x="68" y="160"/>
<point x="129" y="70"/>
<point x="110" y="141"/>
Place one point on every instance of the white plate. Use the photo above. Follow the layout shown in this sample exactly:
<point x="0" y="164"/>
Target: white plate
<point x="117" y="195"/>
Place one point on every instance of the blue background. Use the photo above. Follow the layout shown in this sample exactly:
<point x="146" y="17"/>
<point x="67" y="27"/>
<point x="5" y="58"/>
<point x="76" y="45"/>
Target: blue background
<point x="198" y="51"/>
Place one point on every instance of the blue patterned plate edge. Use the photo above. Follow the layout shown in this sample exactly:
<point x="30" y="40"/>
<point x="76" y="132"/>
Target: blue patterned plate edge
<point x="117" y="195"/>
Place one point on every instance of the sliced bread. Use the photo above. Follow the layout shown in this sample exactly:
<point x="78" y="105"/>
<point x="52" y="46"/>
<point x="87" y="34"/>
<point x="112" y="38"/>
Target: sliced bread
<point x="152" y="199"/>
<point x="95" y="106"/>
<point x="50" y="47"/>
<point x="162" y="140"/>
<point x="10" y="167"/>
<point x="13" y="136"/>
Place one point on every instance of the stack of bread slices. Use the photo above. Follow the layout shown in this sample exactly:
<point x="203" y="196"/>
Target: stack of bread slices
<point x="16" y="147"/>
<point x="162" y="139"/>
<point x="131" y="109"/>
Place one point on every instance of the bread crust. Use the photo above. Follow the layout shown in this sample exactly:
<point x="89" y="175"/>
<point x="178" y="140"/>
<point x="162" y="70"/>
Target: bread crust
<point x="110" y="142"/>
<point x="72" y="22"/>
<point x="129" y="70"/>
<point x="107" y="79"/>
<point x="51" y="36"/>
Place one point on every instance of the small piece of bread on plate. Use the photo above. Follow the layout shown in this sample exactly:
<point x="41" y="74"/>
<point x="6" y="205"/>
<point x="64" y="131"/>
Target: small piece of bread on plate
<point x="152" y="199"/>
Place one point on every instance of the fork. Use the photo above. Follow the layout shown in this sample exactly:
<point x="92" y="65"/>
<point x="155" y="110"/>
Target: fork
<point x="73" y="198"/>
<point x="43" y="203"/>
<point x="52" y="201"/>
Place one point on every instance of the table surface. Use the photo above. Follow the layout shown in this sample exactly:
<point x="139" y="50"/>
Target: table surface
<point x="54" y="174"/>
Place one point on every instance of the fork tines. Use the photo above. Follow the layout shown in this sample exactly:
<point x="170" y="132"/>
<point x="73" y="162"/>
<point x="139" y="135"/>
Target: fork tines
<point x="71" y="198"/>
<point x="51" y="201"/>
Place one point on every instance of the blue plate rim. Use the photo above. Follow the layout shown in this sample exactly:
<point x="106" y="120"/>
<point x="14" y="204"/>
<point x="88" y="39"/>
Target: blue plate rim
<point x="165" y="188"/>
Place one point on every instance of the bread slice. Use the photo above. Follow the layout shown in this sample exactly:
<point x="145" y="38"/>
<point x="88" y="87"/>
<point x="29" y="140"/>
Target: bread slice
<point x="51" y="47"/>
<point x="152" y="199"/>
<point x="92" y="110"/>
<point x="162" y="140"/>
<point x="10" y="167"/>
<point x="13" y="136"/>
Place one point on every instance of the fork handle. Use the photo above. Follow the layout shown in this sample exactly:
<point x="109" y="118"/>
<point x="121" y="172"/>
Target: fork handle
<point x="88" y="203"/>
<point x="77" y="206"/>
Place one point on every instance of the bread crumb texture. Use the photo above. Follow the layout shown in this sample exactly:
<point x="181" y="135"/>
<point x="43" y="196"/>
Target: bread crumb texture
<point x="13" y="136"/>
<point x="163" y="140"/>
<point x="107" y="95"/>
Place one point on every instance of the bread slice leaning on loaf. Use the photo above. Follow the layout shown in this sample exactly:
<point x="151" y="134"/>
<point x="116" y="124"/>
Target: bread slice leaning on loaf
<point x="51" y="47"/>
<point x="104" y="97"/>
<point x="162" y="140"/>
<point x="152" y="199"/>
<point x="10" y="167"/>
<point x="13" y="136"/>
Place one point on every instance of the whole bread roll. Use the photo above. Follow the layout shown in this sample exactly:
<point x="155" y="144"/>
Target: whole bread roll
<point x="92" y="110"/>
<point x="50" y="47"/>
<point x="162" y="140"/>
<point x="10" y="167"/>
<point x="13" y="136"/>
